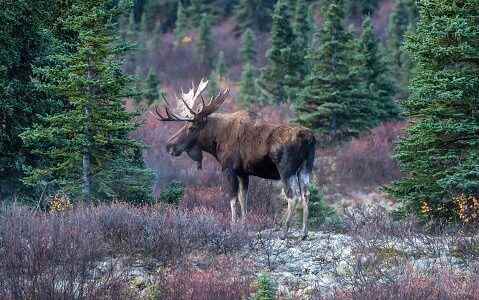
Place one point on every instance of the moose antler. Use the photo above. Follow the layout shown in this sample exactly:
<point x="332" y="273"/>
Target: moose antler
<point x="190" y="100"/>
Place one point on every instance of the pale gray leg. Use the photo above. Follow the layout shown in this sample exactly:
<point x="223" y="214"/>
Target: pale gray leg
<point x="233" y="210"/>
<point x="291" y="193"/>
<point x="303" y="178"/>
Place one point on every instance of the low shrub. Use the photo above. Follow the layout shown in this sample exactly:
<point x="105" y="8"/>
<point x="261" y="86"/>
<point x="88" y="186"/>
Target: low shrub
<point x="467" y="209"/>
<point x="59" y="256"/>
<point x="59" y="203"/>
<point x="223" y="279"/>
<point x="265" y="288"/>
<point x="443" y="284"/>
<point x="320" y="213"/>
<point x="173" y="193"/>
<point x="367" y="160"/>
<point x="53" y="256"/>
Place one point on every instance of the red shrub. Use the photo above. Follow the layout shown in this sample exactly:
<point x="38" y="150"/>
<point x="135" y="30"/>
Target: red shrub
<point x="224" y="279"/>
<point x="57" y="256"/>
<point x="367" y="161"/>
<point x="443" y="284"/>
<point x="52" y="256"/>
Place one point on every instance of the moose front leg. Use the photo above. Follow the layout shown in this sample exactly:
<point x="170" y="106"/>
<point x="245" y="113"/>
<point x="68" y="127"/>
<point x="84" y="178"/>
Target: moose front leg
<point x="233" y="210"/>
<point x="231" y="188"/>
<point x="243" y="196"/>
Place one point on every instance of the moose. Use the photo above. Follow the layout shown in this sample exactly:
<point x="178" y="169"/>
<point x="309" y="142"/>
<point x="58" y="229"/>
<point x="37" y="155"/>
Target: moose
<point x="244" y="146"/>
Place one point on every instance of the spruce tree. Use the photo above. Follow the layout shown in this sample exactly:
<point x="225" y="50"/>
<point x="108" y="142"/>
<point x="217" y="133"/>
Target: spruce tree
<point x="220" y="67"/>
<point x="248" y="51"/>
<point x="266" y="289"/>
<point x="398" y="25"/>
<point x="25" y="39"/>
<point x="213" y="84"/>
<point x="155" y="43"/>
<point x="181" y="25"/>
<point x="86" y="148"/>
<point x="440" y="153"/>
<point x="205" y="44"/>
<point x="375" y="77"/>
<point x="152" y="90"/>
<point x="253" y="14"/>
<point x="282" y="70"/>
<point x="302" y="28"/>
<point x="247" y="92"/>
<point x="196" y="12"/>
<point x="327" y="104"/>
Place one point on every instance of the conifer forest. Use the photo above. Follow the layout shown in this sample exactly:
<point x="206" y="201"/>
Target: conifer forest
<point x="239" y="149"/>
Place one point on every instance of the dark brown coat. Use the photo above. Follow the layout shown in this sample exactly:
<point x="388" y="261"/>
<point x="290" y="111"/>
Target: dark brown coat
<point x="247" y="146"/>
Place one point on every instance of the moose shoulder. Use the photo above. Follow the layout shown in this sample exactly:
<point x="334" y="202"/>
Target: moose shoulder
<point x="244" y="145"/>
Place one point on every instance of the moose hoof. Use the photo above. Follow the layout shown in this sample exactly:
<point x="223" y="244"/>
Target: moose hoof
<point x="304" y="237"/>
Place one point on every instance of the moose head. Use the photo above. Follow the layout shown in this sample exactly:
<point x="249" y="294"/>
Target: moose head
<point x="195" y="115"/>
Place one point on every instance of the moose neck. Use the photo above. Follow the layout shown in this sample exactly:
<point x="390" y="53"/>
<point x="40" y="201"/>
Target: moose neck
<point x="210" y="136"/>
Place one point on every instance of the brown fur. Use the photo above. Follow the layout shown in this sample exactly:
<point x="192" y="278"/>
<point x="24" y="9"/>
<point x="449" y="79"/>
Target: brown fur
<point x="247" y="146"/>
<point x="241" y="142"/>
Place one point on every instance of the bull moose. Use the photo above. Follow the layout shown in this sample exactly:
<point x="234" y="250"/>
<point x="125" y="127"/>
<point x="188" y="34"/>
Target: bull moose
<point x="244" y="146"/>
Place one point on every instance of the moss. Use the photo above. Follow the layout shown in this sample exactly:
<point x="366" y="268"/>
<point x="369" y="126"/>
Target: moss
<point x="389" y="254"/>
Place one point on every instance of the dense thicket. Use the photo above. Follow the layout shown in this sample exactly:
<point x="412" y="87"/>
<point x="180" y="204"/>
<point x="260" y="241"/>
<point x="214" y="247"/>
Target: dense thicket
<point x="440" y="153"/>
<point x="24" y="46"/>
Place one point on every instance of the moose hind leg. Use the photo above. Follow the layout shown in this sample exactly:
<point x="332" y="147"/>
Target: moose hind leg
<point x="291" y="193"/>
<point x="303" y="180"/>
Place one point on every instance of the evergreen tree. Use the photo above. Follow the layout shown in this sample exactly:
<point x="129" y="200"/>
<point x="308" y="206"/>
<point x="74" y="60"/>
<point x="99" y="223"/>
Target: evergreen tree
<point x="375" y="77"/>
<point x="365" y="7"/>
<point x="302" y="28"/>
<point x="282" y="69"/>
<point x="86" y="145"/>
<point x="266" y="288"/>
<point x="155" y="44"/>
<point x="253" y="14"/>
<point x="440" y="152"/>
<point x="205" y="44"/>
<point x="247" y="92"/>
<point x="213" y="84"/>
<point x="152" y="91"/>
<point x="327" y="103"/>
<point x="220" y="67"/>
<point x="398" y="25"/>
<point x="132" y="38"/>
<point x="196" y="12"/>
<point x="25" y="41"/>
<point x="181" y="25"/>
<point x="133" y="28"/>
<point x="248" y="51"/>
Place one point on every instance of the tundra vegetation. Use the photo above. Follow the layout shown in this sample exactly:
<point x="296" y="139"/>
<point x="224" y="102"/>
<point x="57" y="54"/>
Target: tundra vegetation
<point x="94" y="206"/>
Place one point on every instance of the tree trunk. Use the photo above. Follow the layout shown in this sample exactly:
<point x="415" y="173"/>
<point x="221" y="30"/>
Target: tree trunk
<point x="87" y="158"/>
